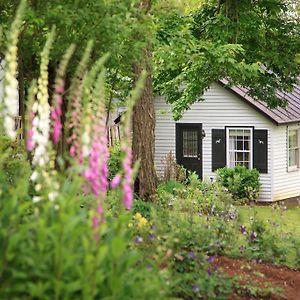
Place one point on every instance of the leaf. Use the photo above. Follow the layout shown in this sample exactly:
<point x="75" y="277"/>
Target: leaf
<point x="118" y="246"/>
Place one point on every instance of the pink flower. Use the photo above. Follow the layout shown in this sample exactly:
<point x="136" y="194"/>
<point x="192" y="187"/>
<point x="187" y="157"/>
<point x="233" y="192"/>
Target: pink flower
<point x="128" y="196"/>
<point x="116" y="181"/>
<point x="127" y="186"/>
<point x="29" y="141"/>
<point x="56" y="115"/>
<point x="97" y="174"/>
<point x="100" y="210"/>
<point x="95" y="222"/>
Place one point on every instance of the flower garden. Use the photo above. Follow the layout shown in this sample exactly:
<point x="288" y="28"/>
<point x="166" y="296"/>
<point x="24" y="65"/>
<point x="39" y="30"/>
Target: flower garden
<point x="71" y="226"/>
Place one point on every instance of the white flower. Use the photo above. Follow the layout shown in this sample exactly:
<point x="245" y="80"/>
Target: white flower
<point x="9" y="124"/>
<point x="38" y="187"/>
<point x="34" y="176"/>
<point x="36" y="199"/>
<point x="52" y="196"/>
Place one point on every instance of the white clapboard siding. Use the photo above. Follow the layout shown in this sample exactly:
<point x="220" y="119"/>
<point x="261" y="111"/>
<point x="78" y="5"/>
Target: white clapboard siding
<point x="286" y="184"/>
<point x="221" y="108"/>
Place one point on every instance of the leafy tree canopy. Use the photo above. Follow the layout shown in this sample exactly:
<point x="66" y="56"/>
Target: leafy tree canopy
<point x="253" y="43"/>
<point x="113" y="26"/>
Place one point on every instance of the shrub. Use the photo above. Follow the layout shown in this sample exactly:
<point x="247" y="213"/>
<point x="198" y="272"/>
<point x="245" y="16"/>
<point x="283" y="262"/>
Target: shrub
<point x="241" y="182"/>
<point x="114" y="163"/>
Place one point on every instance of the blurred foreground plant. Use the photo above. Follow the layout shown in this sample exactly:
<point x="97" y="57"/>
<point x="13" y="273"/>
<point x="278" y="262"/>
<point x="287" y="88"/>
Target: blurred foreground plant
<point x="58" y="240"/>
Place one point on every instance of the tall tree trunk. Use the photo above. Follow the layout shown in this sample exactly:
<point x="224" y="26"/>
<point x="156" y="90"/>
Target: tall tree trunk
<point x="143" y="124"/>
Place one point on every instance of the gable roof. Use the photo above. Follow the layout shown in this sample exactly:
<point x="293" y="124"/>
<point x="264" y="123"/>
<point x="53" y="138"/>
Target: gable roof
<point x="279" y="115"/>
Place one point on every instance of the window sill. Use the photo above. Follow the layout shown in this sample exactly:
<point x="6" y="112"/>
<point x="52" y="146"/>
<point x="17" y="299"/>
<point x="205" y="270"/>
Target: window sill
<point x="293" y="169"/>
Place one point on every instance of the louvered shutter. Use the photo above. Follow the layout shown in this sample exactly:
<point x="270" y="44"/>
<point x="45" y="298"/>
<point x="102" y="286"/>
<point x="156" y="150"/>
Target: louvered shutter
<point x="260" y="150"/>
<point x="218" y="148"/>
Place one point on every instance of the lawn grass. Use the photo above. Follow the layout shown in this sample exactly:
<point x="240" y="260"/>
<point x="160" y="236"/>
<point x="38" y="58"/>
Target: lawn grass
<point x="288" y="219"/>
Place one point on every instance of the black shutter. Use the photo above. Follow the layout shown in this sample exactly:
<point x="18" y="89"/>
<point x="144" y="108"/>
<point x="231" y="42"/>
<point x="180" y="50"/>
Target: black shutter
<point x="260" y="150"/>
<point x="218" y="147"/>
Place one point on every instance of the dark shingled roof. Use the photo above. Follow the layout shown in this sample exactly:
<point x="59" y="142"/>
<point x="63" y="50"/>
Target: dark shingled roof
<point x="280" y="115"/>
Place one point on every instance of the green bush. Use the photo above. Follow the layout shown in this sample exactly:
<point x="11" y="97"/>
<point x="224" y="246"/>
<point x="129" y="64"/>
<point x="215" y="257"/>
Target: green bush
<point x="115" y="160"/>
<point x="241" y="182"/>
<point x="36" y="264"/>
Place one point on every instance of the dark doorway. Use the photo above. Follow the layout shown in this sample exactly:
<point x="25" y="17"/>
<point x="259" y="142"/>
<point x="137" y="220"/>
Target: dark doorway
<point x="189" y="146"/>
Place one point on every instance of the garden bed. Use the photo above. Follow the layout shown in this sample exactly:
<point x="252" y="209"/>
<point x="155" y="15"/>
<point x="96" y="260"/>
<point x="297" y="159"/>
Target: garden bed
<point x="261" y="275"/>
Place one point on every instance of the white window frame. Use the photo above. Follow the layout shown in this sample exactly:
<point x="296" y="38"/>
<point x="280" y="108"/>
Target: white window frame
<point x="294" y="167"/>
<point x="251" y="144"/>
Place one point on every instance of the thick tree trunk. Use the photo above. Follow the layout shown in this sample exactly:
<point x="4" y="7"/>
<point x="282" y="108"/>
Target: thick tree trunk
<point x="144" y="132"/>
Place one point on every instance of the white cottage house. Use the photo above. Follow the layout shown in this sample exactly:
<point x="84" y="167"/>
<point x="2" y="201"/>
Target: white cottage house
<point x="230" y="128"/>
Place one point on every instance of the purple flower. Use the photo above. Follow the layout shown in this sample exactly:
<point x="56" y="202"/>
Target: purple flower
<point x="195" y="288"/>
<point x="138" y="239"/>
<point x="243" y="229"/>
<point x="232" y="215"/>
<point x="151" y="237"/>
<point x="242" y="249"/>
<point x="253" y="236"/>
<point x="210" y="259"/>
<point x="191" y="255"/>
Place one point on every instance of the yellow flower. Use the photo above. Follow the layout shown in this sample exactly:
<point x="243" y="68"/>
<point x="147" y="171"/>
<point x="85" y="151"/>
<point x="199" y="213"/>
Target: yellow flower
<point x="130" y="225"/>
<point x="142" y="222"/>
<point x="138" y="216"/>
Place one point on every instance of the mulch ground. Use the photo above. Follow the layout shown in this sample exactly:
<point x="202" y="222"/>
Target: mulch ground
<point x="261" y="275"/>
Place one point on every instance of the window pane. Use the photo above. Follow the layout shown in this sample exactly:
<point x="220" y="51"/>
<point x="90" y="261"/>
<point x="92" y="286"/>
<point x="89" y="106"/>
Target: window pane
<point x="232" y="143"/>
<point x="239" y="156"/>
<point x="246" y="145"/>
<point x="231" y="159"/>
<point x="293" y="157"/>
<point x="293" y="138"/>
<point x="239" y="147"/>
<point x="190" y="143"/>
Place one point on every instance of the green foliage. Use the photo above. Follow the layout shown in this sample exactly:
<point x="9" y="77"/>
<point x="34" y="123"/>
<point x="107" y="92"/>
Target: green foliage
<point x="36" y="264"/>
<point x="115" y="159"/>
<point x="183" y="235"/>
<point x="239" y="40"/>
<point x="266" y="244"/>
<point x="114" y="26"/>
<point x="142" y="207"/>
<point x="13" y="164"/>
<point x="243" y="183"/>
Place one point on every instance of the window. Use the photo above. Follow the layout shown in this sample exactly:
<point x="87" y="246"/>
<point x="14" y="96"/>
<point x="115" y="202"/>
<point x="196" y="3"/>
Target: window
<point x="239" y="147"/>
<point x="190" y="143"/>
<point x="293" y="149"/>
